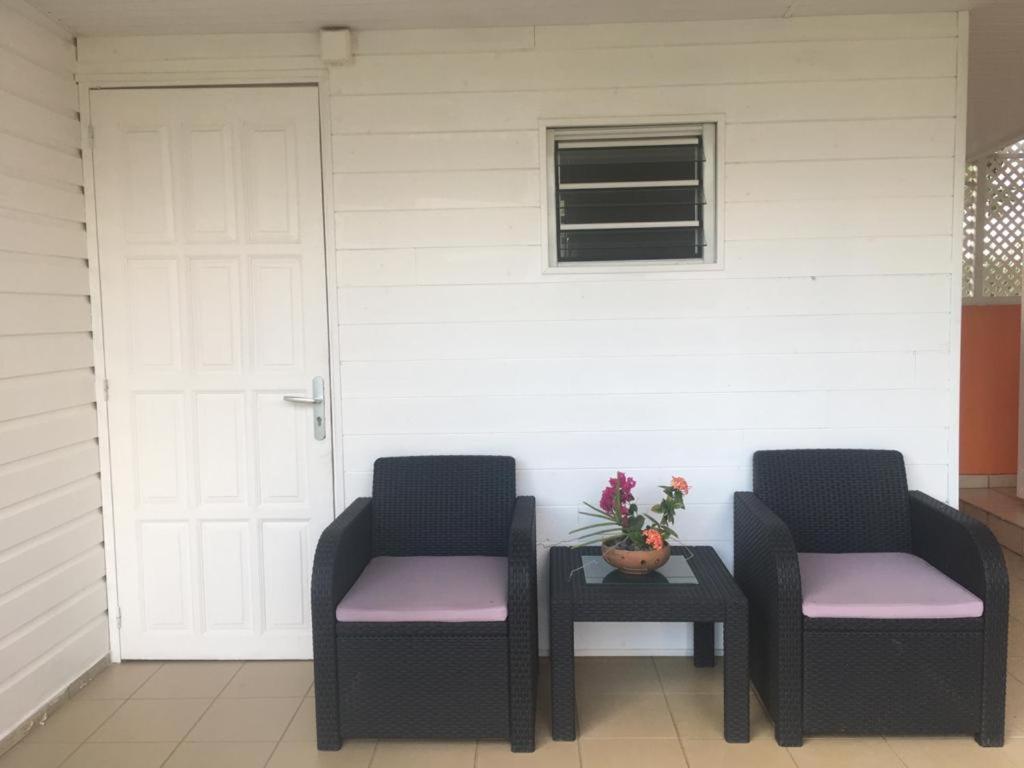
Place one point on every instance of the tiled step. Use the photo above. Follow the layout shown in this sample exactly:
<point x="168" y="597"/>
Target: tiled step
<point x="1000" y="510"/>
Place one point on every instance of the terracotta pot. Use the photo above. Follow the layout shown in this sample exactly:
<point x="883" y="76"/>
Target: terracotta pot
<point x="635" y="562"/>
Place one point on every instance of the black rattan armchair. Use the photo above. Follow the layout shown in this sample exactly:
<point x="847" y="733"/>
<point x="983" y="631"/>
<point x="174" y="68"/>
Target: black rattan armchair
<point x="448" y="679"/>
<point x="855" y="675"/>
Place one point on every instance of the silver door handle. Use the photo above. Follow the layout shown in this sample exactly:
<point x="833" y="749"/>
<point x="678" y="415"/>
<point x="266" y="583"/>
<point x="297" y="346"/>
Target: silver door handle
<point x="303" y="400"/>
<point x="317" y="401"/>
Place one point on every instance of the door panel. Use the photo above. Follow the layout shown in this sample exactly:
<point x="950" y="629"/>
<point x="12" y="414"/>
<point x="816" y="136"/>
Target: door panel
<point x="212" y="275"/>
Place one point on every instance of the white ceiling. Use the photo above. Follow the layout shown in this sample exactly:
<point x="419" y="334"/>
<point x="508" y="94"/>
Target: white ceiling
<point x="126" y="17"/>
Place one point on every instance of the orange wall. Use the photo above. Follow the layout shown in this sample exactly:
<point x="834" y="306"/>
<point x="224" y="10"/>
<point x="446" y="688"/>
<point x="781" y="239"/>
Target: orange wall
<point x="989" y="374"/>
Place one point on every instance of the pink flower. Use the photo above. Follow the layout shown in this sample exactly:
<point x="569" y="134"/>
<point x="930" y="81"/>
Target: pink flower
<point x="624" y="485"/>
<point x="680" y="484"/>
<point x="627" y="484"/>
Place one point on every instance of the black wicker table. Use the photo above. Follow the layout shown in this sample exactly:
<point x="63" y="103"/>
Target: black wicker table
<point x="715" y="597"/>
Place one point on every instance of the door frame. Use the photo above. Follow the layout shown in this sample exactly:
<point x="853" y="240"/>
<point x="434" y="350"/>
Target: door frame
<point x="159" y="78"/>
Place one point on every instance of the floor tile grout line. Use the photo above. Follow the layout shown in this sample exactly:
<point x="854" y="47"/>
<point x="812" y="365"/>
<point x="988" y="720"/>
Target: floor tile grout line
<point x="85" y="739"/>
<point x="646" y="738"/>
<point x="898" y="755"/>
<point x="291" y="720"/>
<point x="235" y="698"/>
<point x="270" y="756"/>
<point x="280" y="740"/>
<point x="686" y="757"/>
<point x="213" y="700"/>
<point x="136" y="689"/>
<point x="123" y="701"/>
<point x="216" y="695"/>
<point x="668" y="706"/>
<point x="792" y="759"/>
<point x="182" y="739"/>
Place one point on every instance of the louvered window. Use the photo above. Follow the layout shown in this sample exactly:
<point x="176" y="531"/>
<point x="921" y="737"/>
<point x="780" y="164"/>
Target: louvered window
<point x="643" y="194"/>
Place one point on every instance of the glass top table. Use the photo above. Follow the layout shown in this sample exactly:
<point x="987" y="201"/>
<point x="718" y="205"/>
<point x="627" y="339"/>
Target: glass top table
<point x="676" y="571"/>
<point x="693" y="586"/>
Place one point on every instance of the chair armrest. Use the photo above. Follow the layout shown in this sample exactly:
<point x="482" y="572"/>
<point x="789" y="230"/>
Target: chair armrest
<point x="522" y="623"/>
<point x="341" y="555"/>
<point x="967" y="552"/>
<point x="961" y="547"/>
<point x="767" y="570"/>
<point x="522" y="549"/>
<point x="765" y="561"/>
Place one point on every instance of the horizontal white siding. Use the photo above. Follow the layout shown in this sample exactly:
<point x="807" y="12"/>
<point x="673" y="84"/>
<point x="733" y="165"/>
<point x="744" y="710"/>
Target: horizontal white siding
<point x="53" y="623"/>
<point x="830" y="324"/>
<point x="224" y="54"/>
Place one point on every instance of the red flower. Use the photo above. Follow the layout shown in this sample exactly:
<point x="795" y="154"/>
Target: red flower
<point x="654" y="539"/>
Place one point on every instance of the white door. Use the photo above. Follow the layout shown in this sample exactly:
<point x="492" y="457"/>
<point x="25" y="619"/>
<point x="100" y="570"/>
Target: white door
<point x="212" y="276"/>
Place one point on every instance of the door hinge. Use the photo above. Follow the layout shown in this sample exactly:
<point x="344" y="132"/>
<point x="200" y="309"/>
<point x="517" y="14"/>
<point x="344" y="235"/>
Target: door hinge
<point x="106" y="390"/>
<point x="92" y="137"/>
<point x="117" y="616"/>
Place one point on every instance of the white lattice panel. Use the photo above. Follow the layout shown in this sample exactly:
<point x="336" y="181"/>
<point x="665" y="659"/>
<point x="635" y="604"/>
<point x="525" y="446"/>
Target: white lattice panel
<point x="970" y="227"/>
<point x="1003" y="235"/>
<point x="994" y="225"/>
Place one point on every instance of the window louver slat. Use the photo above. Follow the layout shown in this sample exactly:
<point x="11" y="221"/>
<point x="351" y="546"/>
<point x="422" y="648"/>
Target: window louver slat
<point x="603" y="206"/>
<point x="630" y="245"/>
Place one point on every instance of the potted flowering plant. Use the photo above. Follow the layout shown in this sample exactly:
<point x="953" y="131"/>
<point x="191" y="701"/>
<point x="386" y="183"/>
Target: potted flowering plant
<point x="631" y="541"/>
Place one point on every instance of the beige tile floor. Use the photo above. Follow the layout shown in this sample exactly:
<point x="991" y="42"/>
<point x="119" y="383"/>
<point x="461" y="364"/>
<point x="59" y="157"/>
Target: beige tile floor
<point x="656" y="712"/>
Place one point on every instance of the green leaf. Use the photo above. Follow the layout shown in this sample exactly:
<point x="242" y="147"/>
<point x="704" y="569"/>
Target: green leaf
<point x="601" y="516"/>
<point x="610" y="527"/>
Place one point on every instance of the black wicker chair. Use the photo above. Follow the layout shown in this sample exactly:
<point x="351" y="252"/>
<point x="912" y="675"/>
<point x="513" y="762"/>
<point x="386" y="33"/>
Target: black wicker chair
<point x="428" y="679"/>
<point x="866" y="675"/>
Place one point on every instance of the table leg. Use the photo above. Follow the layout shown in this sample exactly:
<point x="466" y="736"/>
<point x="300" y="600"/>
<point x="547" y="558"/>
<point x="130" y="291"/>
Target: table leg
<point x="737" y="674"/>
<point x="563" y="673"/>
<point x="703" y="644"/>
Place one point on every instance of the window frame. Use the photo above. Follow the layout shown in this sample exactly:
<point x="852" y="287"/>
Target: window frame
<point x="709" y="127"/>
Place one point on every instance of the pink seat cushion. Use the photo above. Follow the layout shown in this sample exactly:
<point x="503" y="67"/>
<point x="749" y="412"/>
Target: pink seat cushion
<point x="429" y="589"/>
<point x="881" y="585"/>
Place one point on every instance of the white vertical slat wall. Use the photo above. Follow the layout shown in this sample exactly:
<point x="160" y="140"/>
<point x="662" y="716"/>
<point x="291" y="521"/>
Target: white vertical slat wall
<point x="832" y="323"/>
<point x="53" y="623"/>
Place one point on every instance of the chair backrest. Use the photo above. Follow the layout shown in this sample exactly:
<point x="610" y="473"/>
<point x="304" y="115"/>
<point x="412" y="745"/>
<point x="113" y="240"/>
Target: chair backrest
<point x="443" y="505"/>
<point x="837" y="500"/>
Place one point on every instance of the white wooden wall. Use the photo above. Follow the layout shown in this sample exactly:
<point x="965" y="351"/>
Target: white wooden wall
<point x="53" y="623"/>
<point x="833" y="323"/>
